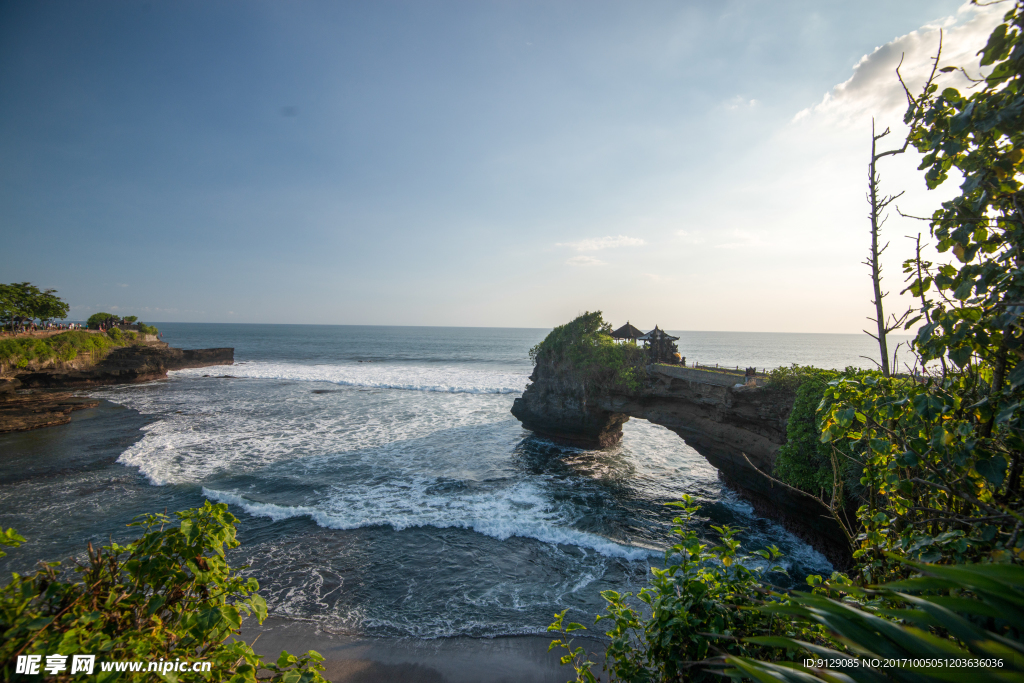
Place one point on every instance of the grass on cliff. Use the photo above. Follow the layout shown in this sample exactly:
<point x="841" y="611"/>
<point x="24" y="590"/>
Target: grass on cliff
<point x="583" y="353"/>
<point x="18" y="352"/>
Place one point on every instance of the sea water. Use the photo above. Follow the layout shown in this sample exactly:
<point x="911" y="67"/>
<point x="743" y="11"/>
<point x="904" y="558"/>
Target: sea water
<point x="382" y="485"/>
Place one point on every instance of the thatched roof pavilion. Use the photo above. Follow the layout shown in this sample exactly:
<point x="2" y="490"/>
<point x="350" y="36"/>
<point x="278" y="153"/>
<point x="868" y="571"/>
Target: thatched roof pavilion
<point x="661" y="346"/>
<point x="627" y="331"/>
<point x="656" y="335"/>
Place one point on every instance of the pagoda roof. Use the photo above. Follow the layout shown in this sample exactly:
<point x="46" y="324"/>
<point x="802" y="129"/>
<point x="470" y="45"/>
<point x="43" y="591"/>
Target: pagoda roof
<point x="657" y="334"/>
<point x="627" y="331"/>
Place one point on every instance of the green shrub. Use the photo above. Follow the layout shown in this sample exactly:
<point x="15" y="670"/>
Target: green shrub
<point x="148" y="329"/>
<point x="583" y="352"/>
<point x="116" y="334"/>
<point x="169" y="595"/>
<point x="701" y="604"/>
<point x="804" y="462"/>
<point x="19" y="352"/>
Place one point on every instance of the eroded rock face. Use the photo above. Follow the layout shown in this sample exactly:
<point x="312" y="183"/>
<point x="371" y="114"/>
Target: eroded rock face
<point x="558" y="409"/>
<point x="569" y="420"/>
<point x="738" y="429"/>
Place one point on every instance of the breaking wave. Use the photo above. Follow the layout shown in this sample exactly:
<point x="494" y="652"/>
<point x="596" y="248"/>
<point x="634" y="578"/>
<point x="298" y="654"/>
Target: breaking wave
<point x="446" y="379"/>
<point x="520" y="510"/>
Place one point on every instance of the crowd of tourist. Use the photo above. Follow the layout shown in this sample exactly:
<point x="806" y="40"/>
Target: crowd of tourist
<point x="30" y="327"/>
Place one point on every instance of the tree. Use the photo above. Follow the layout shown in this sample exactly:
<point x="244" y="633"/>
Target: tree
<point x="97" y="319"/>
<point x="944" y="457"/>
<point x="47" y="306"/>
<point x="877" y="217"/>
<point x="21" y="302"/>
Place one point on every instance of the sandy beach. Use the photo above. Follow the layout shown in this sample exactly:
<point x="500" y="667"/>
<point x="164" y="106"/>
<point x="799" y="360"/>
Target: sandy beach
<point x="354" y="659"/>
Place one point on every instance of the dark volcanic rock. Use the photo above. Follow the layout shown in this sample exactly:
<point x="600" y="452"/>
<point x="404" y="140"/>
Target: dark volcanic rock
<point x="40" y="407"/>
<point x="129" y="364"/>
<point x="33" y="409"/>
<point x="569" y="420"/>
<point x="558" y="409"/>
<point x="737" y="428"/>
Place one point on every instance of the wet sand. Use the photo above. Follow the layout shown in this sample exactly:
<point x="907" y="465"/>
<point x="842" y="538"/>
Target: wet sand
<point x="354" y="659"/>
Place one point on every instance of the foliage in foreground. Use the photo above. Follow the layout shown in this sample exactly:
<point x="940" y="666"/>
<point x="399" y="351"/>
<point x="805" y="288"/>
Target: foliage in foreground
<point x="699" y="606"/>
<point x="942" y="457"/>
<point x="584" y="352"/>
<point x="826" y="470"/>
<point x="911" y="632"/>
<point x="946" y="455"/>
<point x="709" y="613"/>
<point x="168" y="595"/>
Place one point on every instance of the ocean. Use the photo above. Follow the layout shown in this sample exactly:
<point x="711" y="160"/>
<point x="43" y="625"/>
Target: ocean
<point x="382" y="486"/>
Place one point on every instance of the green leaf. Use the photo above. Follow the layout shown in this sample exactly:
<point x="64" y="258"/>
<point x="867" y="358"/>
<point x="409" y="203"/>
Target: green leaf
<point x="961" y="355"/>
<point x="1016" y="376"/>
<point x="993" y="469"/>
<point x="927" y="406"/>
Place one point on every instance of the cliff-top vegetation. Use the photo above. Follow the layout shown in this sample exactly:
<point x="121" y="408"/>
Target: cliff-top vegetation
<point x="20" y="352"/>
<point x="583" y="353"/>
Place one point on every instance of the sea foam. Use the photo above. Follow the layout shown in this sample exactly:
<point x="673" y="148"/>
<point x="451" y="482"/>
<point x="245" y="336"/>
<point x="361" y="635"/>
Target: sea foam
<point x="519" y="510"/>
<point x="446" y="378"/>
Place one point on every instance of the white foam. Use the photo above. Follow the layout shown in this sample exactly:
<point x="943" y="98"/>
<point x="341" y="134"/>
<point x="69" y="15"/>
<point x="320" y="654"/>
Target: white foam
<point x="208" y="429"/>
<point x="519" y="510"/>
<point x="441" y="378"/>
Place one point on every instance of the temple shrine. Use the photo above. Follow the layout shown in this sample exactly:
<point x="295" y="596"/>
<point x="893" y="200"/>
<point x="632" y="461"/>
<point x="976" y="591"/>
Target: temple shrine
<point x="661" y="346"/>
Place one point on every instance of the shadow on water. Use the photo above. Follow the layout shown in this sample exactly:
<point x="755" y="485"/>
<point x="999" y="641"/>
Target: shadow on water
<point x="626" y="501"/>
<point x="62" y="486"/>
<point x="93" y="440"/>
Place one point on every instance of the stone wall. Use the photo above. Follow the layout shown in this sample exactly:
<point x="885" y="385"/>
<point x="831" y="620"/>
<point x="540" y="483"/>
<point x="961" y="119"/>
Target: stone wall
<point x="705" y="376"/>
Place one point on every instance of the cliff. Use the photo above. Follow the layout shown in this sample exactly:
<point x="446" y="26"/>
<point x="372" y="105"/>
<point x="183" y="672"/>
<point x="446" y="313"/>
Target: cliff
<point x="138" y="363"/>
<point x="737" y="428"/>
<point x="30" y="400"/>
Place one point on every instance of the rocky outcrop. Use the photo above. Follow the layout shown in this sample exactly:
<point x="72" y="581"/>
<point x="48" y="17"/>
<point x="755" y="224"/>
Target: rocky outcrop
<point x="29" y="401"/>
<point x="737" y="428"/>
<point x="24" y="410"/>
<point x="138" y="363"/>
<point x="560" y="411"/>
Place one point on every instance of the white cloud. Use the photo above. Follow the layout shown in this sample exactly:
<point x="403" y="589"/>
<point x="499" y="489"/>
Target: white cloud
<point x="598" y="243"/>
<point x="874" y="90"/>
<point x="582" y="260"/>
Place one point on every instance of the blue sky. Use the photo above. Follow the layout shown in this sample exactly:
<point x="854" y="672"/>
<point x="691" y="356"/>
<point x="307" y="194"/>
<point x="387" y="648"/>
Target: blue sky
<point x="693" y="165"/>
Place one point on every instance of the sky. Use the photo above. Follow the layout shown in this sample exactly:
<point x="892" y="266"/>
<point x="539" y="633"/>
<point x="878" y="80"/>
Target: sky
<point x="695" y="165"/>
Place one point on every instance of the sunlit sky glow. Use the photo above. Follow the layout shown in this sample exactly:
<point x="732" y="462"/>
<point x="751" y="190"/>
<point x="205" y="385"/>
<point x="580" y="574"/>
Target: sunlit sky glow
<point x="700" y="166"/>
